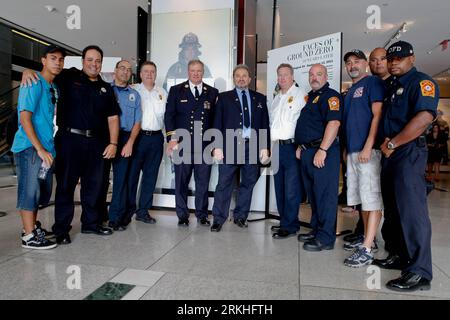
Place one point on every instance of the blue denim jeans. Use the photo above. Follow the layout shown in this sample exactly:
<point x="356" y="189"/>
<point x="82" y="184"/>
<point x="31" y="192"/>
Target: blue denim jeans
<point x="31" y="191"/>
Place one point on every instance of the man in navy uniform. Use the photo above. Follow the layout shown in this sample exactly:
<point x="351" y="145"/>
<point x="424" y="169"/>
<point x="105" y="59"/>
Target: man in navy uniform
<point x="243" y="112"/>
<point x="318" y="151"/>
<point x="190" y="105"/>
<point x="409" y="109"/>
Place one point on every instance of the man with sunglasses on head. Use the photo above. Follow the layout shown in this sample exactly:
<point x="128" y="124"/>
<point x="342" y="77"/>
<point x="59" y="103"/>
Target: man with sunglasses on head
<point x="34" y="148"/>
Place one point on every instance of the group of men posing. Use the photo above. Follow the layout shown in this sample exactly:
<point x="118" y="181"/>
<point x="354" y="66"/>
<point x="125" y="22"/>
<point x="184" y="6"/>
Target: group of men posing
<point x="382" y="119"/>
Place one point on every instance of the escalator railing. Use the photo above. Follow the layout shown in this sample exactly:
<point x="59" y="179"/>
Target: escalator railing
<point x="8" y="119"/>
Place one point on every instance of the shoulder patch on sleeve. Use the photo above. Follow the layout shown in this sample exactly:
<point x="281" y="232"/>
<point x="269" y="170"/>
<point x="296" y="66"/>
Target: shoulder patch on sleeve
<point x="333" y="103"/>
<point x="427" y="88"/>
<point x="306" y="98"/>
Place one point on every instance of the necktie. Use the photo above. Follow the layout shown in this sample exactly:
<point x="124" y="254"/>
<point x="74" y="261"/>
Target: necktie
<point x="246" y="111"/>
<point x="197" y="94"/>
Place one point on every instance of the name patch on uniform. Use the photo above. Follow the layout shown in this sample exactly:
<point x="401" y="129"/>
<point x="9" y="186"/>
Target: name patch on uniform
<point x="291" y="98"/>
<point x="316" y="99"/>
<point x="207" y="105"/>
<point x="333" y="104"/>
<point x="183" y="100"/>
<point x="427" y="88"/>
<point x="358" y="92"/>
<point x="132" y="97"/>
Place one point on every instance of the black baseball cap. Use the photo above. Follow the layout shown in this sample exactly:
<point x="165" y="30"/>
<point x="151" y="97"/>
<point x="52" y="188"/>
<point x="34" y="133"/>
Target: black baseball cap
<point x="355" y="52"/>
<point x="400" y="49"/>
<point x="53" y="49"/>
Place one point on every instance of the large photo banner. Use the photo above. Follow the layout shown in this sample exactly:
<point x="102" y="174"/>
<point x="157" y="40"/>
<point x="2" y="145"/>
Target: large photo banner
<point x="179" y="37"/>
<point x="326" y="50"/>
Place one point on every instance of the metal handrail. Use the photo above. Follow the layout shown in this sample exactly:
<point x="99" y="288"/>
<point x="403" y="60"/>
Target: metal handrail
<point x="9" y="91"/>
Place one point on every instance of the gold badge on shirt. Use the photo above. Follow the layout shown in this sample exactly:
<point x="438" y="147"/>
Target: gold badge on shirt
<point x="290" y="99"/>
<point x="160" y="97"/>
<point x="316" y="99"/>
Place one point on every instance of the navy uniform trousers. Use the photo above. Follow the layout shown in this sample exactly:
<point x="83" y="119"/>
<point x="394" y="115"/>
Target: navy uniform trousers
<point x="148" y="153"/>
<point x="222" y="196"/>
<point x="288" y="188"/>
<point x="405" y="207"/>
<point x="78" y="157"/>
<point x="183" y="174"/>
<point x="121" y="171"/>
<point x="322" y="187"/>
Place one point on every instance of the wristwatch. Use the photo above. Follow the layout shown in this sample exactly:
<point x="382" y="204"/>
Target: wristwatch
<point x="390" y="146"/>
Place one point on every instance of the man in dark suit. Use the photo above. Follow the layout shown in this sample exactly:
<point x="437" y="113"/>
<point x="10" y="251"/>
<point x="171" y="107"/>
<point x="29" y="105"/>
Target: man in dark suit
<point x="189" y="113"/>
<point x="241" y="116"/>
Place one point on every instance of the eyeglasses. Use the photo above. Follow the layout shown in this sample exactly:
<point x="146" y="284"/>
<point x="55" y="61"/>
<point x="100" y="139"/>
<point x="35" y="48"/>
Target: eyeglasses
<point x="54" y="96"/>
<point x="123" y="68"/>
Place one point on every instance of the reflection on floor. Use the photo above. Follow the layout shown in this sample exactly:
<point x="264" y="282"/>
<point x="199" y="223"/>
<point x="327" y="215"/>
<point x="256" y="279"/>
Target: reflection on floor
<point x="164" y="261"/>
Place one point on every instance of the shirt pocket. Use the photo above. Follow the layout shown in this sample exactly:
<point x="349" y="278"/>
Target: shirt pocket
<point x="130" y="115"/>
<point x="291" y="113"/>
<point x="160" y="108"/>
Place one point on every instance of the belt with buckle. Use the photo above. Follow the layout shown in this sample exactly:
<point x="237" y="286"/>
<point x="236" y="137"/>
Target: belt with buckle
<point x="288" y="141"/>
<point x="313" y="144"/>
<point x="150" y="133"/>
<point x="86" y="133"/>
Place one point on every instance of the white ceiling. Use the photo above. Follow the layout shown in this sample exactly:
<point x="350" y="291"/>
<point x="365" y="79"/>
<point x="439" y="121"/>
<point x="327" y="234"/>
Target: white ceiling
<point x="110" y="24"/>
<point x="428" y="24"/>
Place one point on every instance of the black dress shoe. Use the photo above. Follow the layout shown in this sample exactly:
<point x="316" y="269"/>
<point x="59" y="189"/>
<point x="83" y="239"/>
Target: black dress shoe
<point x="101" y="231"/>
<point x="204" y="222"/>
<point x="183" y="222"/>
<point x="275" y="228"/>
<point x="316" y="245"/>
<point x="393" y="262"/>
<point x="117" y="226"/>
<point x="63" y="239"/>
<point x="216" y="227"/>
<point x="241" y="223"/>
<point x="303" y="237"/>
<point x="125" y="221"/>
<point x="146" y="219"/>
<point x="409" y="281"/>
<point x="283" y="234"/>
<point x="351" y="237"/>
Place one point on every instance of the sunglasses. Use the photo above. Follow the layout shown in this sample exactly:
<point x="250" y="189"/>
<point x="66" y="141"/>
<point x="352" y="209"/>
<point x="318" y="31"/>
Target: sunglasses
<point x="54" y="96"/>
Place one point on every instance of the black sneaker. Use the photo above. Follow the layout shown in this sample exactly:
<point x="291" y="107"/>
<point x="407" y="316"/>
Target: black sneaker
<point x="47" y="234"/>
<point x="351" y="237"/>
<point x="37" y="241"/>
<point x="355" y="244"/>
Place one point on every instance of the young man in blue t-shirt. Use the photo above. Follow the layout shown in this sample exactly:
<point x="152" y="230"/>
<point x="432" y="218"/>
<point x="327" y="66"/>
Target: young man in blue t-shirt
<point x="362" y="114"/>
<point x="34" y="148"/>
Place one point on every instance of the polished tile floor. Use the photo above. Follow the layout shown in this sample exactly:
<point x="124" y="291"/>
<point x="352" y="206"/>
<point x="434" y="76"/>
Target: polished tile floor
<point x="164" y="261"/>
